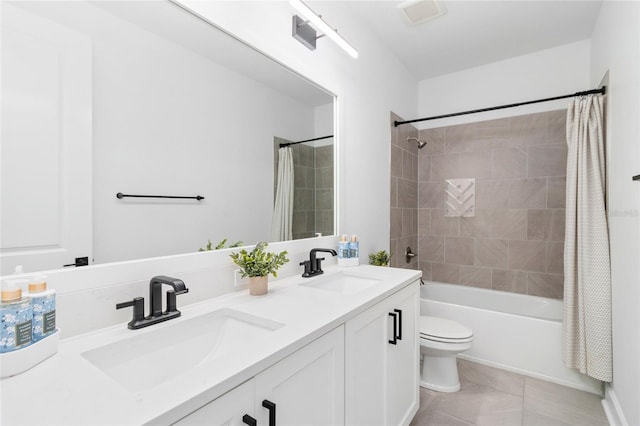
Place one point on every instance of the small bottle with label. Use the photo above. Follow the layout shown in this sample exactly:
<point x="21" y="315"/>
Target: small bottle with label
<point x="16" y="318"/>
<point x="343" y="248"/>
<point x="43" y="302"/>
<point x="354" y="248"/>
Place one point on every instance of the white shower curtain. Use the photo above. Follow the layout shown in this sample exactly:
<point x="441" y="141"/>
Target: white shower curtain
<point x="587" y="275"/>
<point x="282" y="221"/>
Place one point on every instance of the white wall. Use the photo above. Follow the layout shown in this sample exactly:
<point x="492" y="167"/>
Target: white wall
<point x="615" y="48"/>
<point x="367" y="89"/>
<point x="558" y="71"/>
<point x="169" y="121"/>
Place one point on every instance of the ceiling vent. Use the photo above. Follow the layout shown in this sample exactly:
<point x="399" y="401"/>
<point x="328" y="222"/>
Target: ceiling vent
<point x="419" y="11"/>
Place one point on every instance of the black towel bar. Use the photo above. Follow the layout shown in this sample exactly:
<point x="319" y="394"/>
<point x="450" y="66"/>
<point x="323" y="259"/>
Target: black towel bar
<point x="121" y="195"/>
<point x="636" y="177"/>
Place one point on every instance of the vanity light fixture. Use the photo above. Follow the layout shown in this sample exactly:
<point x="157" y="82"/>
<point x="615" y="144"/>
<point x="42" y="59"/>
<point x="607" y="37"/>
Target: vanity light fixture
<point x="306" y="34"/>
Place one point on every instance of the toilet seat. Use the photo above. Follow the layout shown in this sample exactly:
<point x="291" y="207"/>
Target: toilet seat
<point x="444" y="330"/>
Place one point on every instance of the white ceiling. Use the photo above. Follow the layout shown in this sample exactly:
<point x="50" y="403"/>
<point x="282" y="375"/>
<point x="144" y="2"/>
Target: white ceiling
<point x="474" y="33"/>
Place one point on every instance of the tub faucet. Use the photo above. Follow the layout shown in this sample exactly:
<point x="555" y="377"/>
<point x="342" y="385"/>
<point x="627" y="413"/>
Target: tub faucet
<point x="155" y="294"/>
<point x="312" y="267"/>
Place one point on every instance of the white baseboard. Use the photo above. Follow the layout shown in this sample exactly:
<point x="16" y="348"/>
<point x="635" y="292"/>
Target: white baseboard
<point x="612" y="408"/>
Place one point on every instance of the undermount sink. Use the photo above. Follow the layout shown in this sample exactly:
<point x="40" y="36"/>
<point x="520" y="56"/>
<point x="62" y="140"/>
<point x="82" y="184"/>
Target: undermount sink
<point x="342" y="282"/>
<point x="152" y="357"/>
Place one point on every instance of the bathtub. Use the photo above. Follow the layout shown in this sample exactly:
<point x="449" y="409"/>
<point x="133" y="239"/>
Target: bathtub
<point x="511" y="331"/>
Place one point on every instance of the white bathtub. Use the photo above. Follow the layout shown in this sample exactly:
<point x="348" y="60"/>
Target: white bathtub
<point x="511" y="331"/>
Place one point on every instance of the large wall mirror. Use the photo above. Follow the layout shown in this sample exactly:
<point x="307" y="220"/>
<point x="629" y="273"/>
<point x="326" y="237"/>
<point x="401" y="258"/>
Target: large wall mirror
<point x="144" y="98"/>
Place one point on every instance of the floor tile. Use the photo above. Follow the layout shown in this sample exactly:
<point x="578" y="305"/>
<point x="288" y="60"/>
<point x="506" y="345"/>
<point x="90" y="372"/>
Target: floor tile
<point x="497" y="379"/>
<point x="563" y="403"/>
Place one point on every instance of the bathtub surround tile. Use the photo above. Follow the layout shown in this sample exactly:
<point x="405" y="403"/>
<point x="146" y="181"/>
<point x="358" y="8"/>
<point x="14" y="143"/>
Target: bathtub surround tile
<point x="425" y="267"/>
<point x="396" y="222"/>
<point x="431" y="249"/>
<point x="409" y="222"/>
<point x="528" y="193"/>
<point x="424" y="221"/>
<point x="557" y="127"/>
<point x="509" y="163"/>
<point x="474" y="276"/>
<point x="509" y="224"/>
<point x="445" y="273"/>
<point x="490" y="396"/>
<point x="478" y="226"/>
<point x="476" y="164"/>
<point x="409" y="165"/>
<point x="517" y="233"/>
<point x="407" y="193"/>
<point x="394" y="192"/>
<point x="459" y="251"/>
<point x="492" y="194"/>
<point x="491" y="253"/>
<point x="396" y="161"/>
<point x="555" y="258"/>
<point x="547" y="160"/>
<point x="545" y="285"/>
<point x="324" y="199"/>
<point x="494" y="378"/>
<point x="445" y="166"/>
<point x="556" y="192"/>
<point x="431" y="195"/>
<point x="424" y="168"/>
<point x="527" y="256"/>
<point x="545" y="225"/>
<point x="512" y="281"/>
<point x="445" y="226"/>
<point x="562" y="403"/>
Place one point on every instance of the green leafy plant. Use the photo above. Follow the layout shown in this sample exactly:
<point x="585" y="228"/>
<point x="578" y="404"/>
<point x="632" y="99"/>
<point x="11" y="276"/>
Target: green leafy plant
<point x="220" y="245"/>
<point x="379" y="258"/>
<point x="258" y="262"/>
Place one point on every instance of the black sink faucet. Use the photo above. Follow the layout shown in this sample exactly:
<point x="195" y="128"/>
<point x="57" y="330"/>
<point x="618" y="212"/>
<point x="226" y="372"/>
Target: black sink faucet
<point x="155" y="294"/>
<point x="312" y="267"/>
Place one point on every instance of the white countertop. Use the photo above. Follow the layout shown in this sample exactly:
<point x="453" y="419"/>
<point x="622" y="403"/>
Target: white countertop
<point x="68" y="389"/>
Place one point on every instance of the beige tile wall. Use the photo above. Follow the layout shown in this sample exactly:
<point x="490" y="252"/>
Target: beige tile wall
<point x="405" y="221"/>
<point x="515" y="241"/>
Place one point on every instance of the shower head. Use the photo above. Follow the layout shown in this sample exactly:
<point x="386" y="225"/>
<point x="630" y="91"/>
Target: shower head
<point x="420" y="143"/>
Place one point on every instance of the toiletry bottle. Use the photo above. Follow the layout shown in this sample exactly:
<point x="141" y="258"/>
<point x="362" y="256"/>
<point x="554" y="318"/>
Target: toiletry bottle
<point x="16" y="318"/>
<point x="343" y="248"/>
<point x="354" y="249"/>
<point x="43" y="302"/>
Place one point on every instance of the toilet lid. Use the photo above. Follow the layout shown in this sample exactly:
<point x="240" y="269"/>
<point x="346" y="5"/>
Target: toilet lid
<point x="440" y="328"/>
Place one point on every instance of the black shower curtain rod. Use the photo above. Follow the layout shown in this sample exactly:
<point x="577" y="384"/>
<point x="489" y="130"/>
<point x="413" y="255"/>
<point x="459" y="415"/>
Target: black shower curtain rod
<point x="455" y="114"/>
<point x="282" y="145"/>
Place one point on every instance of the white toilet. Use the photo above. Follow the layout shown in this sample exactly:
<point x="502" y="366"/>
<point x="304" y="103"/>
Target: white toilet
<point x="440" y="341"/>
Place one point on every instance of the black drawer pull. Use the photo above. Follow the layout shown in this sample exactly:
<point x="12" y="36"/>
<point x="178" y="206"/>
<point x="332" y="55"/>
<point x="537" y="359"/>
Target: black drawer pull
<point x="248" y="420"/>
<point x="272" y="411"/>
<point x="399" y="311"/>
<point x="394" y="315"/>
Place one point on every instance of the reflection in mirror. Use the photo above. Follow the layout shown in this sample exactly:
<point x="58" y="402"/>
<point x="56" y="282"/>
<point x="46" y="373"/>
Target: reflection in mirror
<point x="146" y="98"/>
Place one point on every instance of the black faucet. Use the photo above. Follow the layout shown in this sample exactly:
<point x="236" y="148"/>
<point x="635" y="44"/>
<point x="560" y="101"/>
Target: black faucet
<point x="155" y="297"/>
<point x="312" y="267"/>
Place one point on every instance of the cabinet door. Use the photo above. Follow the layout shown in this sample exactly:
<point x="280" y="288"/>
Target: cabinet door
<point x="381" y="362"/>
<point x="226" y="410"/>
<point x="403" y="359"/>
<point x="366" y="338"/>
<point x="307" y="387"/>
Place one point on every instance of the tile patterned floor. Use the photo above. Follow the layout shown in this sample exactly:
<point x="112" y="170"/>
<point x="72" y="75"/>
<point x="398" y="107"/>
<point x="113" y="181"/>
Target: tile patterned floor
<point x="493" y="397"/>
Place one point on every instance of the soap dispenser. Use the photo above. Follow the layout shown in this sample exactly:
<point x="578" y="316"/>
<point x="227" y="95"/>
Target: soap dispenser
<point x="17" y="317"/>
<point x="43" y="302"/>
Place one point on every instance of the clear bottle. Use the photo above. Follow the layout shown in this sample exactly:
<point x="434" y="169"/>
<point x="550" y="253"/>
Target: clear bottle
<point x="16" y="318"/>
<point x="43" y="303"/>
<point x="344" y="251"/>
<point x="354" y="248"/>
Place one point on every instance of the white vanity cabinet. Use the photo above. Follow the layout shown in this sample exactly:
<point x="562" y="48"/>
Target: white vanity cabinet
<point x="307" y="387"/>
<point x="382" y="361"/>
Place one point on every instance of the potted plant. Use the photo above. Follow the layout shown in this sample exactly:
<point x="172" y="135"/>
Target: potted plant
<point x="379" y="258"/>
<point x="257" y="265"/>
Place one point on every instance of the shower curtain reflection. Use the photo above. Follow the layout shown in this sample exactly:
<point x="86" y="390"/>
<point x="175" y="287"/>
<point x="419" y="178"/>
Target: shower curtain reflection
<point x="312" y="199"/>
